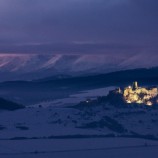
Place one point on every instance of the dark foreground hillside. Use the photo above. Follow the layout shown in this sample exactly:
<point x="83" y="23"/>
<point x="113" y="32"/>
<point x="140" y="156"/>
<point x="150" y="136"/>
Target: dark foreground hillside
<point x="9" y="105"/>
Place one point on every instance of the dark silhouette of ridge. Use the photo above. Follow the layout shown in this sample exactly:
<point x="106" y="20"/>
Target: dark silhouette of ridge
<point x="9" y="105"/>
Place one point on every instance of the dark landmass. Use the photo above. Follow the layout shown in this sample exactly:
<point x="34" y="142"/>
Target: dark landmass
<point x="9" y="105"/>
<point x="51" y="88"/>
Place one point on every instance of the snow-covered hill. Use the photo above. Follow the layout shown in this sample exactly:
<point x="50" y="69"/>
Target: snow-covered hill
<point x="58" y="130"/>
<point x="34" y="66"/>
<point x="79" y="148"/>
<point x="99" y="120"/>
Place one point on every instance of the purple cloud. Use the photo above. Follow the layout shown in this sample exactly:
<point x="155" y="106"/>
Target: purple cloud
<point x="55" y="25"/>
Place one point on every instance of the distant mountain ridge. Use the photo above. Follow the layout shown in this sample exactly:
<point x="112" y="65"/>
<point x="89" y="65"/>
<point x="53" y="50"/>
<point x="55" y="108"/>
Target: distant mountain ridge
<point x="143" y="75"/>
<point x="35" y="66"/>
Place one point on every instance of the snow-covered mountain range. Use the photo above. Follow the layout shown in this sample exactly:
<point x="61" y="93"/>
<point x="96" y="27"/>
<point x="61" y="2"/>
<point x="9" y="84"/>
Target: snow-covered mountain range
<point x="34" y="66"/>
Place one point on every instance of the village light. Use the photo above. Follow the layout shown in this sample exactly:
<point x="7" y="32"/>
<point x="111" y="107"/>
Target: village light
<point x="149" y="103"/>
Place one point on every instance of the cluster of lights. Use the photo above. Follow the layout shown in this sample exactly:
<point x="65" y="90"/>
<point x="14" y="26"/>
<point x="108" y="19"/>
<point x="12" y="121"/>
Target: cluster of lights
<point x="132" y="95"/>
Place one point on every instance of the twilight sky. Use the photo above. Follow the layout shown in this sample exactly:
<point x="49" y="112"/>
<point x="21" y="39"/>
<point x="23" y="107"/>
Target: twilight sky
<point x="78" y="26"/>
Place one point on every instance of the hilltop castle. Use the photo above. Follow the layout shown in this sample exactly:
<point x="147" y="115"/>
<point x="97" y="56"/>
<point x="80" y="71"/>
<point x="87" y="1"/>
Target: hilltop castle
<point x="136" y="94"/>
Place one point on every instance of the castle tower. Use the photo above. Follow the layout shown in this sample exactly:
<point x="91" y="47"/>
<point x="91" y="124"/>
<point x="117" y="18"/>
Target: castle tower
<point x="119" y="90"/>
<point x="135" y="85"/>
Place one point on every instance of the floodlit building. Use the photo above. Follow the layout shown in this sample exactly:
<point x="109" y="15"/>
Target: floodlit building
<point x="139" y="95"/>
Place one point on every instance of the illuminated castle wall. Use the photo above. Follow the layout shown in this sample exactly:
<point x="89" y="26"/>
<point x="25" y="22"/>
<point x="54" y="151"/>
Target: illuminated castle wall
<point x="139" y="95"/>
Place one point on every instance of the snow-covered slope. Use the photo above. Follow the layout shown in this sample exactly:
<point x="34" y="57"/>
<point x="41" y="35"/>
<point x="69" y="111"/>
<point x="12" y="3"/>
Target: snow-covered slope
<point x="79" y="148"/>
<point x="99" y="130"/>
<point x="99" y="120"/>
<point x="34" y="66"/>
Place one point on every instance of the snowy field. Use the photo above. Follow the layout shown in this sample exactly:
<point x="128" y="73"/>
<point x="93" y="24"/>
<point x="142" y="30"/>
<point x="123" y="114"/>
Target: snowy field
<point x="80" y="148"/>
<point x="37" y="132"/>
